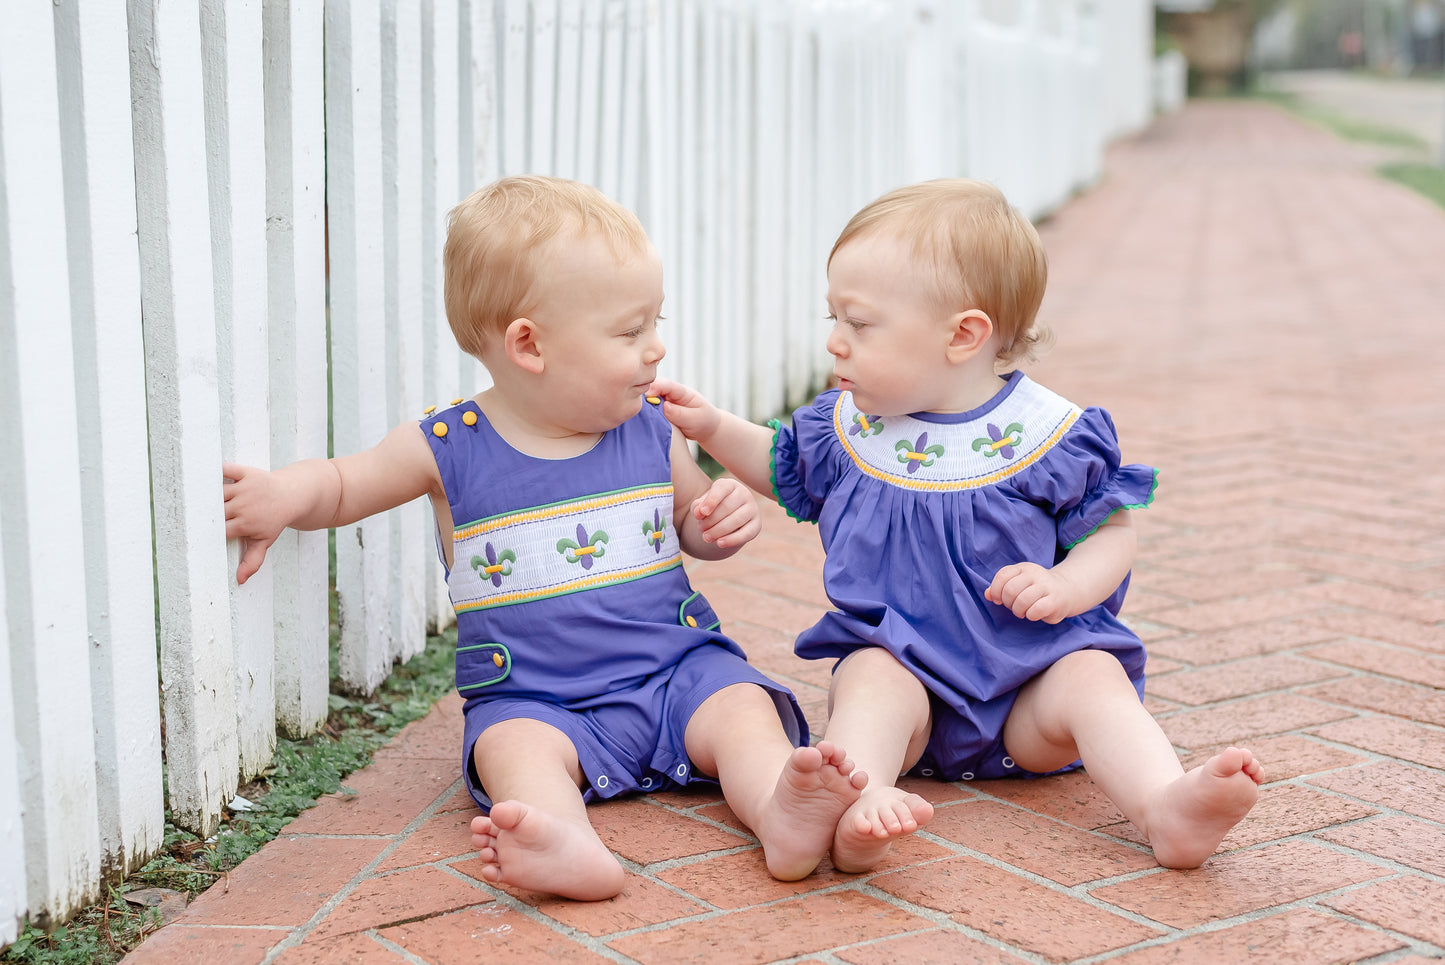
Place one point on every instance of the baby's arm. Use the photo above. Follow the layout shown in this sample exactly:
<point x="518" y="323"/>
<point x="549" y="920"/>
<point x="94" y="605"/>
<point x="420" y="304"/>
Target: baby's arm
<point x="713" y="517"/>
<point x="1086" y="577"/>
<point x="322" y="493"/>
<point x="744" y="449"/>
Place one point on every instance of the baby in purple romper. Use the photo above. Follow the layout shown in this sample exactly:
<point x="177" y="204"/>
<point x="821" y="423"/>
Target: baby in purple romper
<point x="978" y="536"/>
<point x="563" y="502"/>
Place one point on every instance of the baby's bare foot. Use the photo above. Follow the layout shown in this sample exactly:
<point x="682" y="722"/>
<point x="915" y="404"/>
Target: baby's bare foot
<point x="868" y="828"/>
<point x="1196" y="811"/>
<point x="529" y="848"/>
<point x="796" y="826"/>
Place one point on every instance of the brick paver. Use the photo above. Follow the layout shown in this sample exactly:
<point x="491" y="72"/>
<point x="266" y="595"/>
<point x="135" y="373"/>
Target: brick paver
<point x="1265" y="320"/>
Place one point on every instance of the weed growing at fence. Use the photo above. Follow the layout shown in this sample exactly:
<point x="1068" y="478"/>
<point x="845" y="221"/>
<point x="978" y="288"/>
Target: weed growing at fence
<point x="300" y="772"/>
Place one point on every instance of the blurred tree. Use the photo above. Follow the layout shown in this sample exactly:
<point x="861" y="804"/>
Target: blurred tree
<point x="1215" y="41"/>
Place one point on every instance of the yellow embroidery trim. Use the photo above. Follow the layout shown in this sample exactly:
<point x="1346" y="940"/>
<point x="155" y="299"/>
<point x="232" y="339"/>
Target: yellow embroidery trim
<point x="565" y="509"/>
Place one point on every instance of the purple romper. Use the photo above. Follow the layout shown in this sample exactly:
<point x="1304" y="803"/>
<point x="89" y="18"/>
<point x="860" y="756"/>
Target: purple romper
<point x="917" y="513"/>
<point x="572" y="604"/>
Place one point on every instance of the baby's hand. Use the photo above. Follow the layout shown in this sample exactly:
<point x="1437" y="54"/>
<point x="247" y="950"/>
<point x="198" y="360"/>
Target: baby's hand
<point x="686" y="408"/>
<point x="1033" y="592"/>
<point x="727" y="514"/>
<point x="253" y="514"/>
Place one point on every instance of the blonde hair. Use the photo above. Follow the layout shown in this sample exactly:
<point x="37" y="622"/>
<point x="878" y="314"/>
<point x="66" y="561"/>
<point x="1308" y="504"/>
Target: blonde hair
<point x="496" y="238"/>
<point x="985" y="254"/>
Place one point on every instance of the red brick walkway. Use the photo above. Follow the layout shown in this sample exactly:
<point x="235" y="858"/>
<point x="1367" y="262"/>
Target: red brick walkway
<point x="1266" y="321"/>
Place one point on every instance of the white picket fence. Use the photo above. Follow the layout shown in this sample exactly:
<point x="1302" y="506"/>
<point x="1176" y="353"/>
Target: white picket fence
<point x="179" y="174"/>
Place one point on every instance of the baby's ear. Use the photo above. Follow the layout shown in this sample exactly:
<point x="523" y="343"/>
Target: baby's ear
<point x="971" y="332"/>
<point x="520" y="343"/>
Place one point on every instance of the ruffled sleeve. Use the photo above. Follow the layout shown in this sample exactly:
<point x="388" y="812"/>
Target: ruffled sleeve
<point x="1082" y="482"/>
<point x="805" y="458"/>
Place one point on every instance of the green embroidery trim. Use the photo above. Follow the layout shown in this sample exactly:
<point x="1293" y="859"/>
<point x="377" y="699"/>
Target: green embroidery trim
<point x="777" y="426"/>
<point x="1144" y="505"/>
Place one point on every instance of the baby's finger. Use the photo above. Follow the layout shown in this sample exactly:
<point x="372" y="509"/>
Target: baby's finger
<point x="733" y="530"/>
<point x="1045" y="610"/>
<point x="995" y="591"/>
<point x="1025" y="599"/>
<point x="252" y="556"/>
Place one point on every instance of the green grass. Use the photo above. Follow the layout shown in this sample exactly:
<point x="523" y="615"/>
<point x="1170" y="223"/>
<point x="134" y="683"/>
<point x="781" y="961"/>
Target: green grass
<point x="1422" y="177"/>
<point x="300" y="772"/>
<point x="1349" y="128"/>
<point x="1427" y="179"/>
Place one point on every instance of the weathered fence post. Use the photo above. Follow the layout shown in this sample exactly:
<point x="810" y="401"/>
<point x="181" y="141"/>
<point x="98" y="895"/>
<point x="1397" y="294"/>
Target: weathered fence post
<point x="172" y="202"/>
<point x="296" y="336"/>
<point x="358" y="323"/>
<point x="40" y="494"/>
<point x="94" y="72"/>
<point x="235" y="147"/>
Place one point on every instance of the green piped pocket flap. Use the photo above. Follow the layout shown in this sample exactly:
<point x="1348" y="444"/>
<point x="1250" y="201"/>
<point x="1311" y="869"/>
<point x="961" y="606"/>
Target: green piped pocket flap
<point x="695" y="612"/>
<point x="482" y="665"/>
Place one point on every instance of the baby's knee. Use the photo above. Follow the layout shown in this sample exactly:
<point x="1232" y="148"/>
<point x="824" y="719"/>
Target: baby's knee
<point x="523" y="743"/>
<point x="1095" y="666"/>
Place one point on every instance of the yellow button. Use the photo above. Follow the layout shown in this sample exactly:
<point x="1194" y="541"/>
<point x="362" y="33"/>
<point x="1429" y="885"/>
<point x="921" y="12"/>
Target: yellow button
<point x="428" y="410"/>
<point x="497" y="659"/>
<point x="691" y="622"/>
<point x="456" y="401"/>
<point x="654" y="399"/>
<point x="470" y="418"/>
<point x="439" y="429"/>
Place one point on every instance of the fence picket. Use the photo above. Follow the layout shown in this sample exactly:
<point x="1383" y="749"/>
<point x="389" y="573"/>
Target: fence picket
<point x="569" y="105"/>
<point x="769" y="268"/>
<point x="358" y="324"/>
<point x="476" y="137"/>
<point x="541" y="73"/>
<point x="402" y="256"/>
<point x="92" y="49"/>
<point x="40" y="492"/>
<point x="589" y="91"/>
<point x="197" y="661"/>
<point x="631" y="192"/>
<point x="441" y="361"/>
<point x="235" y="149"/>
<point x="296" y="309"/>
<point x="802" y="338"/>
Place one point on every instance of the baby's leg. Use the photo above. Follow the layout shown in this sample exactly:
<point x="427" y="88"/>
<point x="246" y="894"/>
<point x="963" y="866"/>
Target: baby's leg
<point x="538" y="836"/>
<point x="880" y="711"/>
<point x="791" y="797"/>
<point x="1084" y="707"/>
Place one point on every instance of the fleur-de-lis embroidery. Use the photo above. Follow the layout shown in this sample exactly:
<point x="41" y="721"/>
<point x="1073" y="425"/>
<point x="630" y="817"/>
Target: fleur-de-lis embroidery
<point x="919" y="454"/>
<point x="585" y="549"/>
<point x="865" y="425"/>
<point x="1000" y="443"/>
<point x="495" y="566"/>
<point x="655" y="531"/>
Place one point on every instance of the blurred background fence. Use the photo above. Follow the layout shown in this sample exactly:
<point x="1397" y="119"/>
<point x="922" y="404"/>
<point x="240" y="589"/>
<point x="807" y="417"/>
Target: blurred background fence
<point x="180" y="178"/>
